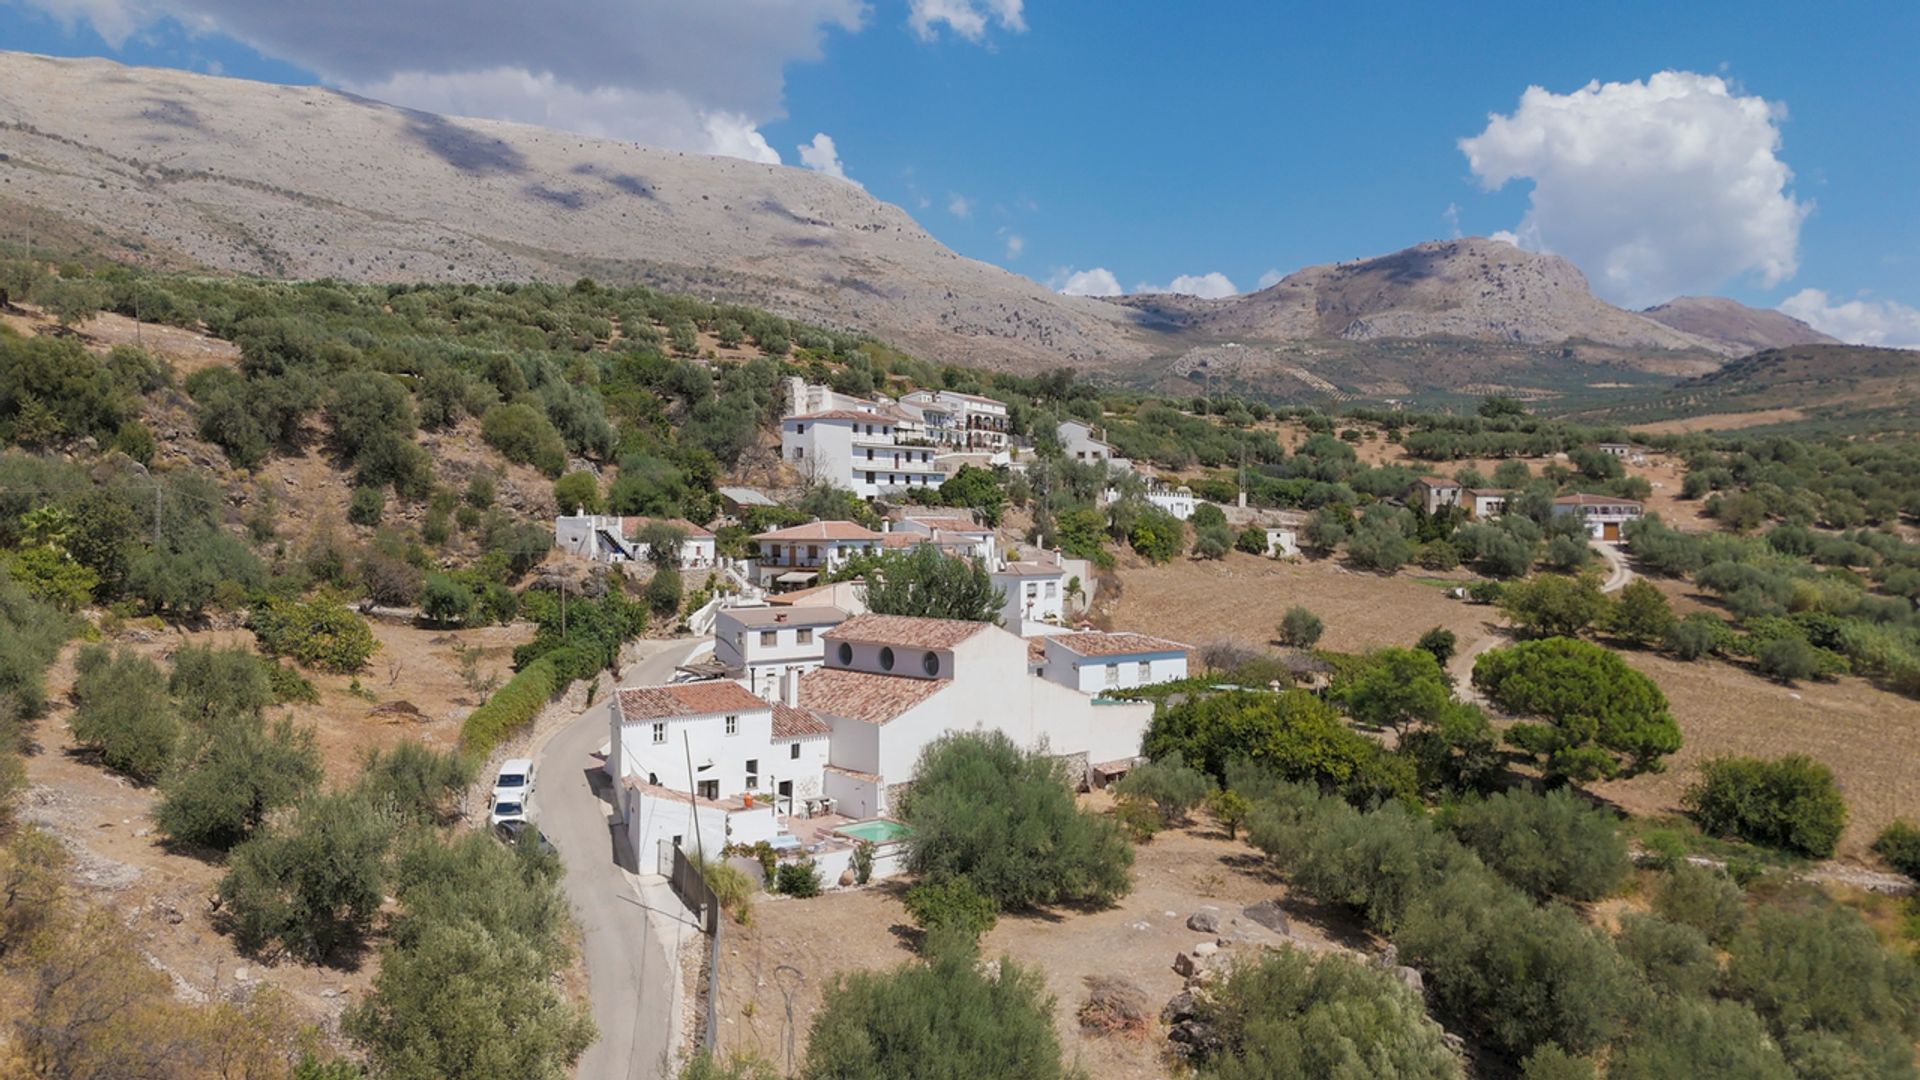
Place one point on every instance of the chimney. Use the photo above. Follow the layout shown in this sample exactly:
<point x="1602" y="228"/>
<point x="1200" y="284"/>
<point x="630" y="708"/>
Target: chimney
<point x="790" y="688"/>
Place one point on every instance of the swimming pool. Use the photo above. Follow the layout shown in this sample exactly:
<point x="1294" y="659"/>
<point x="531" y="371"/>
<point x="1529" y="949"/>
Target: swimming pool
<point x="875" y="831"/>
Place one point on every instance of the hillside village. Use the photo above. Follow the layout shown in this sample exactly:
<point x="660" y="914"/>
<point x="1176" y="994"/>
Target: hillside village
<point x="782" y="656"/>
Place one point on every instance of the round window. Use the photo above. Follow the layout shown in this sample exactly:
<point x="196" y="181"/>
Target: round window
<point x="886" y="658"/>
<point x="846" y="654"/>
<point x="931" y="662"/>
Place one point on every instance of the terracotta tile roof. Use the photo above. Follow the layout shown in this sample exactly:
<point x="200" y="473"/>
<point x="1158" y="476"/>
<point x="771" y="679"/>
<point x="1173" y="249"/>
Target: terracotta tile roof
<point x="1434" y="482"/>
<point x="906" y="631"/>
<point x="822" y="530"/>
<point x="840" y="414"/>
<point x="792" y="723"/>
<point x="1036" y="649"/>
<point x="1030" y="569"/>
<point x="1588" y="499"/>
<point x="871" y="778"/>
<point x="631" y="526"/>
<point x="1095" y="643"/>
<point x="813" y="615"/>
<point x="864" y="695"/>
<point x="686" y="699"/>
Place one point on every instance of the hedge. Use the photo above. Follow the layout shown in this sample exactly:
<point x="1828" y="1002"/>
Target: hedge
<point x="511" y="707"/>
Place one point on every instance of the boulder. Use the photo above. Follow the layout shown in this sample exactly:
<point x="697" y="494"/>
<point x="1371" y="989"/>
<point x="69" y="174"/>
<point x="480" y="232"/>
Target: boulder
<point x="1411" y="977"/>
<point x="1206" y="949"/>
<point x="1204" y="922"/>
<point x="847" y="877"/>
<point x="1268" y="914"/>
<point x="1180" y="1007"/>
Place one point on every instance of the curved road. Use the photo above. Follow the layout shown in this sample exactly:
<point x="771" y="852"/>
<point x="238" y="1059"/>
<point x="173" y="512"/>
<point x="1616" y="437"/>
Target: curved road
<point x="629" y="927"/>
<point x="1619" y="573"/>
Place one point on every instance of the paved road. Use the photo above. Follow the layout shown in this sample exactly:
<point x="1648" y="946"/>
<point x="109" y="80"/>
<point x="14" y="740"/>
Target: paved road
<point x="626" y="942"/>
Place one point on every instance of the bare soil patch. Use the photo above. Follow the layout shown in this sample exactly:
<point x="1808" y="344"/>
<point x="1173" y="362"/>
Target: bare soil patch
<point x="1179" y="873"/>
<point x="1733" y="421"/>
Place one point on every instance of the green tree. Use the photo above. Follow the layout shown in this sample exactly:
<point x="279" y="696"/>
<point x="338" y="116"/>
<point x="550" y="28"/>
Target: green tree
<point x="219" y="685"/>
<point x="366" y="506"/>
<point x="1296" y="735"/>
<point x="577" y="493"/>
<point x="234" y="773"/>
<point x="941" y="1018"/>
<point x="977" y="489"/>
<point x="319" y="633"/>
<point x="942" y="906"/>
<point x="1326" y="530"/>
<point x="1675" y="959"/>
<point x="1702" y="898"/>
<point x="664" y="591"/>
<point x="1899" y="844"/>
<point x="1642" y="614"/>
<point x="446" y="600"/>
<point x="1300" y="628"/>
<point x="1229" y="808"/>
<point x="1005" y="819"/>
<point x="664" y="542"/>
<point x="1395" y="688"/>
<point x="414" y="781"/>
<point x="1604" y="719"/>
<point x="121" y="710"/>
<point x="314" y="887"/>
<point x="1252" y="540"/>
<point x="1554" y="604"/>
<point x="928" y="583"/>
<point x="1157" y="535"/>
<point x="1438" y="642"/>
<point x="1790" y="803"/>
<point x="1551" y="845"/>
<point x="1697" y="635"/>
<point x="1169" y="784"/>
<point x="1288" y="1014"/>
<point x="1835" y="1000"/>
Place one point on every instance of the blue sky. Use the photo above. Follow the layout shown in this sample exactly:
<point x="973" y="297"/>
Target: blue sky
<point x="1776" y="164"/>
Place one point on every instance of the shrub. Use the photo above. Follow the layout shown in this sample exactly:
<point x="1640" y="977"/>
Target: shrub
<point x="414" y="781"/>
<point x="1697" y="635"/>
<point x="318" y="633"/>
<point x="942" y="1018"/>
<point x="315" y="887"/>
<point x="577" y="493"/>
<point x="212" y="685"/>
<point x="663" y="592"/>
<point x="799" y="879"/>
<point x="982" y="808"/>
<point x="1156" y="535"/>
<point x="511" y="708"/>
<point x="1709" y="1040"/>
<point x="524" y="436"/>
<point x="1169" y="784"/>
<point x="1605" y="719"/>
<point x="236" y="773"/>
<point x="1899" y="844"/>
<point x="121" y="710"/>
<point x="1789" y="803"/>
<point x="1373" y="864"/>
<point x="1286" y="1014"/>
<point x="1212" y="543"/>
<point x="1440" y="643"/>
<point x="446" y="600"/>
<point x="1300" y="628"/>
<point x="732" y="888"/>
<point x="1642" y="613"/>
<point x="1551" y="845"/>
<point x="1702" y="898"/>
<point x="367" y="506"/>
<point x="1252" y="540"/>
<point x="1788" y="659"/>
<point x="950" y="906"/>
<point x="1549" y="1062"/>
<point x="1675" y="960"/>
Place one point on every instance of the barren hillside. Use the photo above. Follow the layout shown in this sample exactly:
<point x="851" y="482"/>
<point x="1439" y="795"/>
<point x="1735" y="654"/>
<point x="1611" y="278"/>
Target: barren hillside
<point x="307" y="182"/>
<point x="1721" y="319"/>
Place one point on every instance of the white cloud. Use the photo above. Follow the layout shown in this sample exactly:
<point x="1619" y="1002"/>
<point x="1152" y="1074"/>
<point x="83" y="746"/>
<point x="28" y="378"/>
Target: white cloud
<point x="1269" y="279"/>
<point x="1015" y="242"/>
<point x="1213" y="285"/>
<point x="821" y="155"/>
<point x="967" y="18"/>
<point x="1655" y="188"/>
<point x="1098" y="281"/>
<point x="683" y="74"/>
<point x="1858" y="322"/>
<point x="1506" y="236"/>
<point x="1451" y="215"/>
<point x="959" y="205"/>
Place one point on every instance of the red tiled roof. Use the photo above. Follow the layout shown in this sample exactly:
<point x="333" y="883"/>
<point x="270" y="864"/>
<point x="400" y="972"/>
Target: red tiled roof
<point x="841" y="414"/>
<point x="1095" y="643"/>
<point x="786" y="615"/>
<point x="906" y="631"/>
<point x="864" y="695"/>
<point x="631" y="526"/>
<point x="1434" y="482"/>
<point x="792" y="723"/>
<point x="686" y="699"/>
<point x="871" y="778"/>
<point x="1030" y="569"/>
<point x="821" y="530"/>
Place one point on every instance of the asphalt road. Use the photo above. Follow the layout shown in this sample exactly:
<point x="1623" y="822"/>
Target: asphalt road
<point x="629" y="968"/>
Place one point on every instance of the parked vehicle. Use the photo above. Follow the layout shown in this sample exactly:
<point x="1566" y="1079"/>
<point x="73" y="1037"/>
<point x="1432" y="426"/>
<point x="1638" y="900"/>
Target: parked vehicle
<point x="518" y="831"/>
<point x="515" y="779"/>
<point x="506" y="808"/>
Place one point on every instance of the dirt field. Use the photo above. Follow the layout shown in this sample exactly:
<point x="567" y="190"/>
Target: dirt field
<point x="1721" y="421"/>
<point x="1177" y="874"/>
<point x="163" y="894"/>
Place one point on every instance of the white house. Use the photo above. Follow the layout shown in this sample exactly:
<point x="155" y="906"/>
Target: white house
<point x="1615" y="449"/>
<point x="1078" y="443"/>
<point x="848" y="596"/>
<point x="862" y="452"/>
<point x="1603" y="515"/>
<point x="798" y="554"/>
<point x="1176" y="501"/>
<point x="964" y="420"/>
<point x="761" y="645"/>
<point x="1282" y="540"/>
<point x="719" y="730"/>
<point x="954" y="533"/>
<point x="1485" y="503"/>
<point x="1093" y="662"/>
<point x="893" y="684"/>
<point x="1435" y="494"/>
<point x="1035" y="595"/>
<point x="604" y="538"/>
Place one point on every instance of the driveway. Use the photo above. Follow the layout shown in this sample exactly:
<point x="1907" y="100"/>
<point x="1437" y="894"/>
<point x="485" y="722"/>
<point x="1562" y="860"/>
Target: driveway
<point x="1619" y="573"/>
<point x="630" y="929"/>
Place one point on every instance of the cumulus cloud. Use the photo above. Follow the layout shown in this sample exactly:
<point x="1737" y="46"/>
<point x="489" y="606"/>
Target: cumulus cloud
<point x="1269" y="279"/>
<point x="1014" y="241"/>
<point x="967" y="18"/>
<point x="821" y="155"/>
<point x="959" y="205"/>
<point x="1858" y="322"/>
<point x="1098" y="281"/>
<point x="1209" y="286"/>
<point x="1657" y="188"/>
<point x="684" y="74"/>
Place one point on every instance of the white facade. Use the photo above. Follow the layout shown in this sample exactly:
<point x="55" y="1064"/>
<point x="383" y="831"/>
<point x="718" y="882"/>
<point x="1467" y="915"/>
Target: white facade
<point x="658" y="820"/>
<point x="761" y="645"/>
<point x="607" y="538"/>
<point x="1176" y="501"/>
<point x="1282" y="540"/>
<point x="964" y="420"/>
<point x="1034" y="596"/>
<point x="1096" y="663"/>
<point x="806" y="551"/>
<point x="859" y="451"/>
<point x="1078" y="442"/>
<point x="1485" y="503"/>
<point x="954" y="533"/>
<point x="717" y="729"/>
<point x="1436" y="495"/>
<point x="1603" y="515"/>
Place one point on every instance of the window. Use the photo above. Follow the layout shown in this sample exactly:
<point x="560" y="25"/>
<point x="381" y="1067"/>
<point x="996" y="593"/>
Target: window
<point x="1033" y="590"/>
<point x="709" y="789"/>
<point x="733" y="725"/>
<point x="869" y="478"/>
<point x="845" y="653"/>
<point x="769" y="637"/>
<point x="804" y="635"/>
<point x="1053" y="589"/>
<point x="1146" y="672"/>
<point x="659" y="733"/>
<point x="794" y="751"/>
<point x="1113" y="674"/>
<point x="930" y="664"/>
<point x="886" y="658"/>
<point x="753" y="774"/>
<point x="799" y="452"/>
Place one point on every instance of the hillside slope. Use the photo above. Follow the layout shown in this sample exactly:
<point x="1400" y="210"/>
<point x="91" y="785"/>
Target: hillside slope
<point x="304" y="182"/>
<point x="1835" y="388"/>
<point x="1720" y="319"/>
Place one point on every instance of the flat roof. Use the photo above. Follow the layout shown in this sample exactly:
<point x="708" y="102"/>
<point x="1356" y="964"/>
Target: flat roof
<point x="819" y="615"/>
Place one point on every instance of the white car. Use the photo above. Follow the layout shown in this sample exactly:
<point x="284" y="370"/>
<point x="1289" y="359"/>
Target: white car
<point x="515" y="779"/>
<point x="504" y="808"/>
